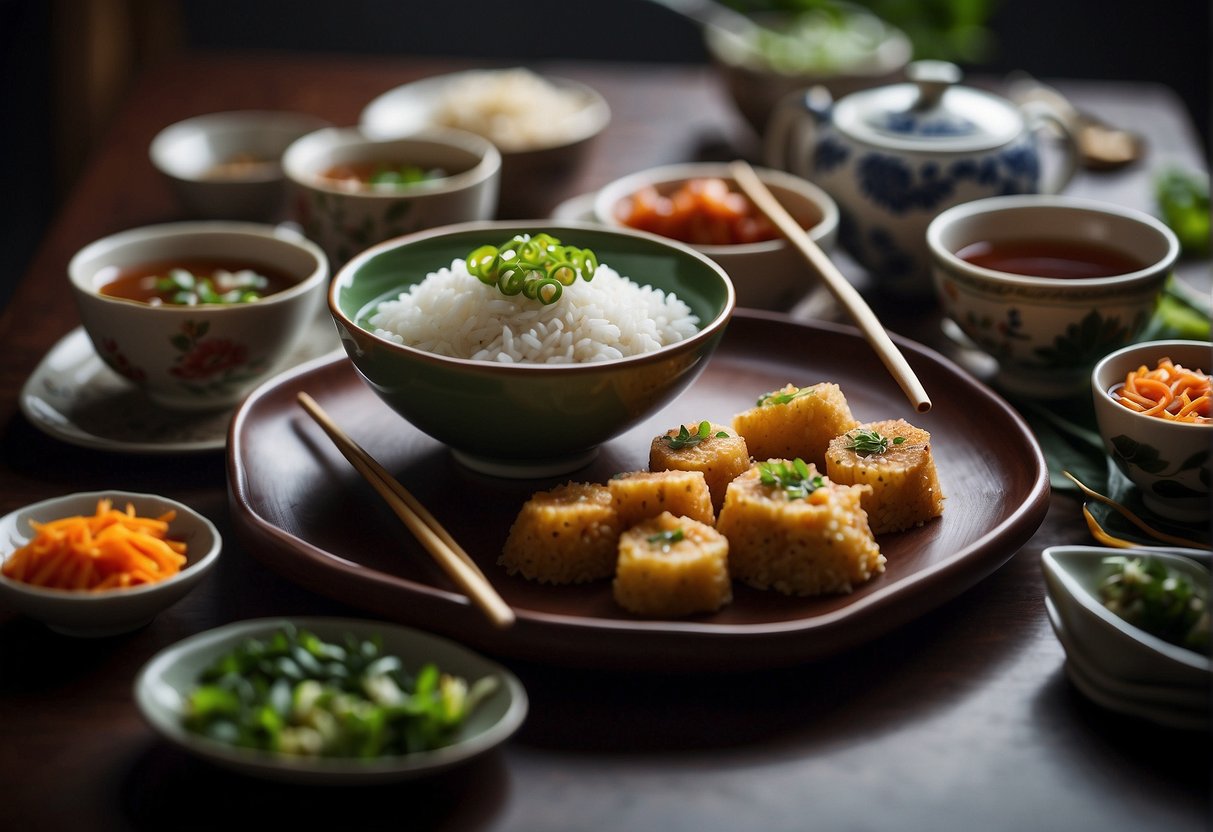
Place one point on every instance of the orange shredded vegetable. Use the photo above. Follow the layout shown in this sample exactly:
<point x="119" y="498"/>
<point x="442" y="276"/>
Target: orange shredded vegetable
<point x="1169" y="391"/>
<point x="107" y="550"/>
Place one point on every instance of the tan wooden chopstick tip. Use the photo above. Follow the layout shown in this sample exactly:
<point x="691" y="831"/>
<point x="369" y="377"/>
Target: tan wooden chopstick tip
<point x="846" y="294"/>
<point x="449" y="555"/>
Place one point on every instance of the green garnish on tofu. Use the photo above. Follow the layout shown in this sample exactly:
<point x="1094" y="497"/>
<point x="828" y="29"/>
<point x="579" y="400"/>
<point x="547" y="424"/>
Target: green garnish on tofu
<point x="868" y="442"/>
<point x="665" y="539"/>
<point x="686" y="439"/>
<point x="795" y="478"/>
<point x="783" y="398"/>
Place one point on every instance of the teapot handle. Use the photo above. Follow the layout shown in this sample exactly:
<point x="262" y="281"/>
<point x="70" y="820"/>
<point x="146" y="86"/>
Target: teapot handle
<point x="791" y="131"/>
<point x="1039" y="115"/>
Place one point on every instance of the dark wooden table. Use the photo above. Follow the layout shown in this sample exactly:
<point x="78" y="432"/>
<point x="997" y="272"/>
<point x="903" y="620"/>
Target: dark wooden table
<point x="962" y="720"/>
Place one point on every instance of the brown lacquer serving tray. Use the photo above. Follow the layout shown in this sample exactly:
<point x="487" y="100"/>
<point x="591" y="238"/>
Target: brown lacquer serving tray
<point x="300" y="507"/>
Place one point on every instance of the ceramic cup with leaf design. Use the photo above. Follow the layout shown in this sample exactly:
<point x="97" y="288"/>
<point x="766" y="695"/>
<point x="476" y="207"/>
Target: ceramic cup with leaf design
<point x="1048" y="285"/>
<point x="1168" y="460"/>
<point x="196" y="314"/>
<point x="893" y="157"/>
<point x="351" y="191"/>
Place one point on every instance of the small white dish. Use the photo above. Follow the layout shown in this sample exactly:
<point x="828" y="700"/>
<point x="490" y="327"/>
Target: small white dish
<point x="1123" y="651"/>
<point x="75" y="397"/>
<point x="1093" y="687"/>
<point x="101" y="613"/>
<point x="579" y="208"/>
<point x="165" y="681"/>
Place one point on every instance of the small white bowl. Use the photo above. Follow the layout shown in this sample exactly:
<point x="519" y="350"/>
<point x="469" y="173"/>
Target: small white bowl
<point x="1168" y="461"/>
<point x="346" y="221"/>
<point x="531" y="171"/>
<point x="209" y="356"/>
<point x="109" y="612"/>
<point x="228" y="165"/>
<point x="1121" y="650"/>
<point x="164" y="683"/>
<point x="766" y="275"/>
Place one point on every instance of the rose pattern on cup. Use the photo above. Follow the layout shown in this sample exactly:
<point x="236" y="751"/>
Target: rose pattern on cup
<point x="118" y="362"/>
<point x="209" y="366"/>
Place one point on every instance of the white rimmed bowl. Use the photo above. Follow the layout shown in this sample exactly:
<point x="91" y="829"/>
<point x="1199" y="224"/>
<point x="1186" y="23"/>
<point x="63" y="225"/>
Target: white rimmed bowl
<point x="208" y="356"/>
<point x="165" y="682"/>
<point x="1168" y="461"/>
<point x="531" y="171"/>
<point x="228" y="165"/>
<point x="113" y="611"/>
<point x="766" y="275"/>
<point x="1121" y="650"/>
<point x="345" y="221"/>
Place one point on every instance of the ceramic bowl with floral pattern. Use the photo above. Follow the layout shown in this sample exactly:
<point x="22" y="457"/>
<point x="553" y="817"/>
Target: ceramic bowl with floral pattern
<point x="1168" y="461"/>
<point x="1014" y="273"/>
<point x="198" y="350"/>
<point x="351" y="191"/>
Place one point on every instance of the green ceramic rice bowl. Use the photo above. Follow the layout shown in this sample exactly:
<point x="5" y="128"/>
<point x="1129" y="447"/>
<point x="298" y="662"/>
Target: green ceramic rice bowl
<point x="566" y="411"/>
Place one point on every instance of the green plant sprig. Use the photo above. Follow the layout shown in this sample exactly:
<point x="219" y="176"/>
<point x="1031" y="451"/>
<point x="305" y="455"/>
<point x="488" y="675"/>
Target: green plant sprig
<point x="665" y="539"/>
<point x="686" y="439"/>
<point x="795" y="478"/>
<point x="869" y="442"/>
<point x="537" y="267"/>
<point x="784" y="398"/>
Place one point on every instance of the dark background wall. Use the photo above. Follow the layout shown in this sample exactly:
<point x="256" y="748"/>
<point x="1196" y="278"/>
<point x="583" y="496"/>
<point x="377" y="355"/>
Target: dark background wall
<point x="1167" y="41"/>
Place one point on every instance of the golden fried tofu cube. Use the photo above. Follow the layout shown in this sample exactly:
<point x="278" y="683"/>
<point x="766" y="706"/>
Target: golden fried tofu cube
<point x="812" y="544"/>
<point x="564" y="536"/>
<point x="640" y="495"/>
<point x="719" y="452"/>
<point x="795" y="422"/>
<point x="671" y="566"/>
<point x="894" y="458"/>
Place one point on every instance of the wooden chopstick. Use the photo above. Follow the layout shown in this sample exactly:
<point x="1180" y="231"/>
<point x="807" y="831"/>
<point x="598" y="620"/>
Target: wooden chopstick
<point x="843" y="291"/>
<point x="456" y="562"/>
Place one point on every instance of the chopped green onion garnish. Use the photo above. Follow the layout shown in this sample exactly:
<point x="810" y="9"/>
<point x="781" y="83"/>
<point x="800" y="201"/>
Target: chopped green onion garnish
<point x="537" y="267"/>
<point x="666" y="539"/>
<point x="783" y="398"/>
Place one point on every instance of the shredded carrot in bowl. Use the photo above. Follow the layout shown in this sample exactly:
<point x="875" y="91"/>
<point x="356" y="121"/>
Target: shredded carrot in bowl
<point x="107" y="550"/>
<point x="1169" y="391"/>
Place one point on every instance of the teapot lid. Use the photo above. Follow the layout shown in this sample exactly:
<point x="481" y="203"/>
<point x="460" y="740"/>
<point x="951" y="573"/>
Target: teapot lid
<point x="932" y="112"/>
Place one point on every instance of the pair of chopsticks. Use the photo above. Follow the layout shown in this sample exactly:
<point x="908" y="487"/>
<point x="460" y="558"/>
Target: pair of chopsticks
<point x="839" y="286"/>
<point x="449" y="555"/>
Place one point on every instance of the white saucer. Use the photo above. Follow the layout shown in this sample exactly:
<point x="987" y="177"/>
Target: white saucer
<point x="73" y="396"/>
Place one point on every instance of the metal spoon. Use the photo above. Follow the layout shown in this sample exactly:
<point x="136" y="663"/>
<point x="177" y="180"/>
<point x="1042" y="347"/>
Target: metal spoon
<point x="1101" y="146"/>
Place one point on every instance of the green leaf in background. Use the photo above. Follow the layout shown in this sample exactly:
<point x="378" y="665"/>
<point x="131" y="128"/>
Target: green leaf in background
<point x="1182" y="313"/>
<point x="1183" y="202"/>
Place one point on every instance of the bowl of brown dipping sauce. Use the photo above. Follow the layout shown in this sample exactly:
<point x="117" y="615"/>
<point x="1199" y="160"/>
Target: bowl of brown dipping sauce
<point x="229" y="165"/>
<point x="1048" y="285"/>
<point x="196" y="314"/>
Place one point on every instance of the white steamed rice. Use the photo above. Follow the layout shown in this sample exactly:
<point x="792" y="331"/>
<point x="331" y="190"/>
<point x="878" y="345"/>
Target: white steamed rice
<point x="452" y="313"/>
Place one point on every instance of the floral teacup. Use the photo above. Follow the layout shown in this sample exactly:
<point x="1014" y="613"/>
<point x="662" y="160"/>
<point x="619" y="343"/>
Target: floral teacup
<point x="210" y="354"/>
<point x="1046" y="332"/>
<point x="350" y="191"/>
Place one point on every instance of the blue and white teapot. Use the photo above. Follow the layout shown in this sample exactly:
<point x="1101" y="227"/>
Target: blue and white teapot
<point x="894" y="157"/>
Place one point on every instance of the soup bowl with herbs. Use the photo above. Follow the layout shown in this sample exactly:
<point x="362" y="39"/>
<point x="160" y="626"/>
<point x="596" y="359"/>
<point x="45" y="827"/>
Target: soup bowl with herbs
<point x="1048" y="285"/>
<point x="524" y="347"/>
<point x="352" y="191"/>
<point x="198" y="313"/>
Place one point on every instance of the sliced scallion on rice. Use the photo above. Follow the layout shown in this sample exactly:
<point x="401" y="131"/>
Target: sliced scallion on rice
<point x="538" y="267"/>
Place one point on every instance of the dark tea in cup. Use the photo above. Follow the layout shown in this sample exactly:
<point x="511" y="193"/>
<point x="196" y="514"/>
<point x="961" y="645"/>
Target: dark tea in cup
<point x="1066" y="259"/>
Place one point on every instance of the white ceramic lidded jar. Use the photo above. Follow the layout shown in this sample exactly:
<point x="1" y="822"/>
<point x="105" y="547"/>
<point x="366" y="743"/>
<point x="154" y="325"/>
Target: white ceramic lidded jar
<point x="894" y="157"/>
